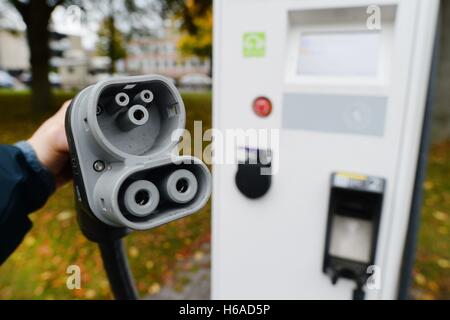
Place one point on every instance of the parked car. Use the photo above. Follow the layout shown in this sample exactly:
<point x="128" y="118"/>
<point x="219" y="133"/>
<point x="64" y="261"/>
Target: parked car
<point x="195" y="81"/>
<point x="6" y="80"/>
<point x="53" y="77"/>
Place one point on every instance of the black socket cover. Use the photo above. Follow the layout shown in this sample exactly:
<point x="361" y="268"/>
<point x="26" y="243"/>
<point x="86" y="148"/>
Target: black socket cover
<point x="250" y="182"/>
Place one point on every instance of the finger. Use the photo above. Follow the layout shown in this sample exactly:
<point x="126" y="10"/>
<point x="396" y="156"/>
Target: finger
<point x="59" y="117"/>
<point x="61" y="113"/>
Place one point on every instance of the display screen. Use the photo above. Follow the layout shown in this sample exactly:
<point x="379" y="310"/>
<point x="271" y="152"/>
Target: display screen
<point x="351" y="238"/>
<point x="350" y="54"/>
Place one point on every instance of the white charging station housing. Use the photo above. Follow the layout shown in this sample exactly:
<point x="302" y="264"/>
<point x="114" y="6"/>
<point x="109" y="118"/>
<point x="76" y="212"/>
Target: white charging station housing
<point x="348" y="95"/>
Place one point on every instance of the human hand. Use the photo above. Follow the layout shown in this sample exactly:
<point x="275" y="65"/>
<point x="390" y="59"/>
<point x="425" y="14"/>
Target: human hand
<point x="50" y="145"/>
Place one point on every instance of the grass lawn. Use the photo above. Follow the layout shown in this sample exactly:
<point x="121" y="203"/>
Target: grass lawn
<point x="432" y="269"/>
<point x="37" y="269"/>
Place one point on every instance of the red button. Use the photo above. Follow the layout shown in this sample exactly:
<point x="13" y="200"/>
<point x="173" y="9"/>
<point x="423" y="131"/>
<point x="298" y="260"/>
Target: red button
<point x="262" y="107"/>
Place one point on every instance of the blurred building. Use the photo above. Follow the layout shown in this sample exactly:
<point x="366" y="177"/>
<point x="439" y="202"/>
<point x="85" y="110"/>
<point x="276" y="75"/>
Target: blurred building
<point x="72" y="66"/>
<point x="159" y="54"/>
<point x="14" y="53"/>
<point x="77" y="67"/>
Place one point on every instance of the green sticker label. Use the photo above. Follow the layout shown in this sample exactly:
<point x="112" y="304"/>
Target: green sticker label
<point x="254" y="44"/>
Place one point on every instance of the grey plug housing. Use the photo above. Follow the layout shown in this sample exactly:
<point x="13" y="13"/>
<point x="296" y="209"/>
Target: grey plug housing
<point x="123" y="135"/>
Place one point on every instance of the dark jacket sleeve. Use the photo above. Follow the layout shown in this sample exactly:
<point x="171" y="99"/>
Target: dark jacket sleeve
<point x="22" y="191"/>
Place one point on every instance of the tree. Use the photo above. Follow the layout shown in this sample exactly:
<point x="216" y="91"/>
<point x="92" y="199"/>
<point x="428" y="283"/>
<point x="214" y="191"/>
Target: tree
<point x="36" y="16"/>
<point x="198" y="43"/>
<point x="196" y="25"/>
<point x="122" y="20"/>
<point x="111" y="42"/>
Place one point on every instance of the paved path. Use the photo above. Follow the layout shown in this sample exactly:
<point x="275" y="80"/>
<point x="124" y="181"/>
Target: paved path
<point x="192" y="281"/>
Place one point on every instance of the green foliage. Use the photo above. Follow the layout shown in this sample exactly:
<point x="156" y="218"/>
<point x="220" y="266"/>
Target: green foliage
<point x="134" y="18"/>
<point x="196" y="25"/>
<point x="111" y="42"/>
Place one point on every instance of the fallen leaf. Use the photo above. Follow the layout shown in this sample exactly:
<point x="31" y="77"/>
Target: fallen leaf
<point x="39" y="290"/>
<point x="441" y="216"/>
<point x="154" y="288"/>
<point x="149" y="265"/>
<point x="443" y="263"/>
<point x="134" y="252"/>
<point x="420" y="279"/>
<point x="64" y="215"/>
<point x="44" y="276"/>
<point x="433" y="286"/>
<point x="30" y="241"/>
<point x="198" y="255"/>
<point x="90" y="294"/>
<point x="428" y="185"/>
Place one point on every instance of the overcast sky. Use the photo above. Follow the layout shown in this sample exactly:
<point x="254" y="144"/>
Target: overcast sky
<point x="69" y="21"/>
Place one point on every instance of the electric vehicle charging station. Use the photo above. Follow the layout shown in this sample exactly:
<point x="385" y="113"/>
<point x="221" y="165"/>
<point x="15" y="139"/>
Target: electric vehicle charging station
<point x="349" y="102"/>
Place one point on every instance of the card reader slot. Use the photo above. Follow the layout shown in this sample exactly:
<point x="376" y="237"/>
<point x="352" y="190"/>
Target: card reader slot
<point x="356" y="204"/>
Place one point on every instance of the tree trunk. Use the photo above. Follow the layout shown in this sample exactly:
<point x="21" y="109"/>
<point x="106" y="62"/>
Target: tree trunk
<point x="38" y="36"/>
<point x="112" y="43"/>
